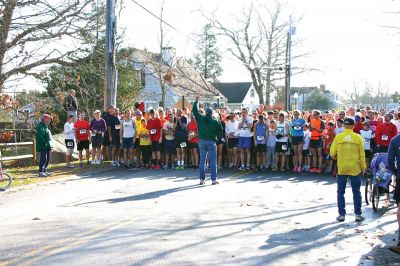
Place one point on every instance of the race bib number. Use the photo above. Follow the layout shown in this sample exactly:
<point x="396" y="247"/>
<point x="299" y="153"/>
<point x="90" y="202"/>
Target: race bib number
<point x="70" y="144"/>
<point x="153" y="131"/>
<point x="191" y="133"/>
<point x="385" y="137"/>
<point x="117" y="127"/>
<point x="260" y="138"/>
<point x="93" y="134"/>
<point x="82" y="131"/>
<point x="144" y="138"/>
<point x="284" y="147"/>
<point x="327" y="136"/>
<point x="183" y="144"/>
<point x="297" y="128"/>
<point x="367" y="140"/>
<point x="281" y="130"/>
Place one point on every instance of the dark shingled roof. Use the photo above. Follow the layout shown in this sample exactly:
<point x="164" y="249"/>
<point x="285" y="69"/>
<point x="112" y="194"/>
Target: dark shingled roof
<point x="233" y="91"/>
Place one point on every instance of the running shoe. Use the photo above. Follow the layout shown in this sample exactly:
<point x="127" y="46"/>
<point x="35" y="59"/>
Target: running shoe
<point x="313" y="170"/>
<point x="359" y="218"/>
<point x="318" y="171"/>
<point x="340" y="218"/>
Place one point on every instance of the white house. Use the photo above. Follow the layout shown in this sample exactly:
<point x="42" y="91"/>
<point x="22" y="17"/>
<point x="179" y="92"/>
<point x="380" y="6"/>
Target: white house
<point x="239" y="94"/>
<point x="303" y="93"/>
<point x="183" y="82"/>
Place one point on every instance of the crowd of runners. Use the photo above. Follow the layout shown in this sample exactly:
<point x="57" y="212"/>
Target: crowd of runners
<point x="258" y="139"/>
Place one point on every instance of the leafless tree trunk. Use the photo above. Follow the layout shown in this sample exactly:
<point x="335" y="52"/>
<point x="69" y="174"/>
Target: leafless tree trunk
<point x="259" y="44"/>
<point x="31" y="32"/>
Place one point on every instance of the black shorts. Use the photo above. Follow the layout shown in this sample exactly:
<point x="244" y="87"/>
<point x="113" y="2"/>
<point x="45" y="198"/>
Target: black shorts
<point x="155" y="146"/>
<point x="136" y="143"/>
<point x="97" y="140"/>
<point x="261" y="148"/>
<point x="220" y="141"/>
<point x="115" y="141"/>
<point x="316" y="143"/>
<point x="297" y="140"/>
<point x="180" y="143"/>
<point x="396" y="194"/>
<point x="106" y="141"/>
<point x="70" y="144"/>
<point x="383" y="149"/>
<point x="281" y="147"/>
<point x="193" y="145"/>
<point x="368" y="153"/>
<point x="232" y="143"/>
<point x="306" y="153"/>
<point x="169" y="146"/>
<point x="83" y="144"/>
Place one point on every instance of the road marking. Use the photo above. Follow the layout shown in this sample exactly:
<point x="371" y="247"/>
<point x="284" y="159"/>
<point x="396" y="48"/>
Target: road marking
<point x="235" y="176"/>
<point x="32" y="255"/>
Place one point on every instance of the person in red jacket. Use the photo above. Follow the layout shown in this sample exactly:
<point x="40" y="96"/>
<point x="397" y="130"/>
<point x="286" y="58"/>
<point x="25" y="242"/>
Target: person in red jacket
<point x="154" y="126"/>
<point x="358" y="125"/>
<point x="82" y="133"/>
<point x="385" y="132"/>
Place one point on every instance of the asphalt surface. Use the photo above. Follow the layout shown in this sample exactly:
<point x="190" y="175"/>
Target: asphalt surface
<point x="150" y="217"/>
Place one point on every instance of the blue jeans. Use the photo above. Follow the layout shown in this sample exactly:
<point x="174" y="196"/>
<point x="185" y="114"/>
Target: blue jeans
<point x="44" y="161"/>
<point x="355" y="187"/>
<point x="208" y="147"/>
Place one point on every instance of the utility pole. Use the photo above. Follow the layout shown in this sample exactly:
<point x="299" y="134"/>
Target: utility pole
<point x="291" y="32"/>
<point x="110" y="80"/>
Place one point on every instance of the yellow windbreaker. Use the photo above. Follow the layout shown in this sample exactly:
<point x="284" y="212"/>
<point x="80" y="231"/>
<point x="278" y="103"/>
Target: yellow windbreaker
<point x="348" y="149"/>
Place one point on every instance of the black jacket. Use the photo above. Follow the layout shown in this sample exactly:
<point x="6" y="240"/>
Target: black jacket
<point x="70" y="103"/>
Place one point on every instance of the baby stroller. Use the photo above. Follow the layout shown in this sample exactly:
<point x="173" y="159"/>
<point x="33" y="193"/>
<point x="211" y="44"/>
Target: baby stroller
<point x="381" y="180"/>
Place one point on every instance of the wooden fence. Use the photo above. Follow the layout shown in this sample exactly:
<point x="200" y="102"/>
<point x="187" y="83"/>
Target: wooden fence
<point x="32" y="144"/>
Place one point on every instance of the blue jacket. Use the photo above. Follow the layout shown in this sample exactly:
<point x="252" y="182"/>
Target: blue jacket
<point x="394" y="154"/>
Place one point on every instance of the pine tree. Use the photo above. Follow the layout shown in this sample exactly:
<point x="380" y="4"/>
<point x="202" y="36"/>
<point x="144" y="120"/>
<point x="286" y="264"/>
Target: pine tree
<point x="207" y="59"/>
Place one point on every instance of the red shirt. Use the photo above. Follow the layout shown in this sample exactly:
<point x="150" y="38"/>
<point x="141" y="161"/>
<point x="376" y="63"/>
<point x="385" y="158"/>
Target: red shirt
<point x="384" y="133"/>
<point x="192" y="127"/>
<point x="154" y="126"/>
<point x="357" y="127"/>
<point x="82" y="128"/>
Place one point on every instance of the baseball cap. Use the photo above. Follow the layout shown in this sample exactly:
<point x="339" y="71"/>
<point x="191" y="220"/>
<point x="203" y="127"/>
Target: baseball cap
<point x="138" y="112"/>
<point x="209" y="111"/>
<point x="349" y="121"/>
<point x="97" y="111"/>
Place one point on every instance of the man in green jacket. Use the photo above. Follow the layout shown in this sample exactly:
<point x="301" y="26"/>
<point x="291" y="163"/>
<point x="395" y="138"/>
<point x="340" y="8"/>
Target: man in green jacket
<point x="44" y="144"/>
<point x="209" y="129"/>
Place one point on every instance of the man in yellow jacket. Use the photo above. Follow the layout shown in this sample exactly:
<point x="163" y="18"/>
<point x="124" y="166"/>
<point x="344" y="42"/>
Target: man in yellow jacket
<point x="348" y="149"/>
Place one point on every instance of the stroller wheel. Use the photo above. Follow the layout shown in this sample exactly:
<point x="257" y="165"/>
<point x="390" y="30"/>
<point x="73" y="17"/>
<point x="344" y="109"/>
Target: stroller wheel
<point x="375" y="197"/>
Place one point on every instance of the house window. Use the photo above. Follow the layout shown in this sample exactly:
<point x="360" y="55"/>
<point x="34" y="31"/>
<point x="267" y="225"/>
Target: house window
<point x="140" y="75"/>
<point x="143" y="78"/>
<point x="252" y="94"/>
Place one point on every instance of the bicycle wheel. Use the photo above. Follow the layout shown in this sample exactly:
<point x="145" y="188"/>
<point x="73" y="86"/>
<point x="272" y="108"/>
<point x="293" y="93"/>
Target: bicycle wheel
<point x="375" y="197"/>
<point x="5" y="181"/>
<point x="368" y="191"/>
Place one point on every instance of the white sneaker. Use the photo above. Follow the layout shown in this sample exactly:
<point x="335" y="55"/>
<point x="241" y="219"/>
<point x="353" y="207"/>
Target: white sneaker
<point x="42" y="174"/>
<point x="118" y="164"/>
<point x="113" y="164"/>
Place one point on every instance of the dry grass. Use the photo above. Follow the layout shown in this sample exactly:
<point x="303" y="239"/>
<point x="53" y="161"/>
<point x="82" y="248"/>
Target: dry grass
<point x="24" y="175"/>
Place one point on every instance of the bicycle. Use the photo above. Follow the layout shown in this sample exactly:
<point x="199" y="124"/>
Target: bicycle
<point x="5" y="179"/>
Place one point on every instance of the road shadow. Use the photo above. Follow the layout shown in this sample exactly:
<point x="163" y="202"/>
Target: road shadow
<point x="144" y="196"/>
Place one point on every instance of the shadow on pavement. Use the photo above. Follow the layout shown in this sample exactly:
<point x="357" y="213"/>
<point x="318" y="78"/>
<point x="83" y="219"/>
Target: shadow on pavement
<point x="144" y="196"/>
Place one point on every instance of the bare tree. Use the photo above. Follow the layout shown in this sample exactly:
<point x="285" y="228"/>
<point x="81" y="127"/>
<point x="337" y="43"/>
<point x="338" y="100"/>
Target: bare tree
<point x="36" y="33"/>
<point x="259" y="44"/>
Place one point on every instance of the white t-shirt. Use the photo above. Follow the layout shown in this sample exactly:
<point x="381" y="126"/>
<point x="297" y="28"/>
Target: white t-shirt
<point x="338" y="130"/>
<point x="69" y="131"/>
<point x="281" y="129"/>
<point x="245" y="130"/>
<point x="367" y="137"/>
<point x="307" y="137"/>
<point x="232" y="127"/>
<point x="168" y="125"/>
<point x="129" y="129"/>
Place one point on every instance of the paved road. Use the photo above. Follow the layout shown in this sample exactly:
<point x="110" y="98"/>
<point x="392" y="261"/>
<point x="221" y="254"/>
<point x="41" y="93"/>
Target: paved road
<point x="165" y="218"/>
